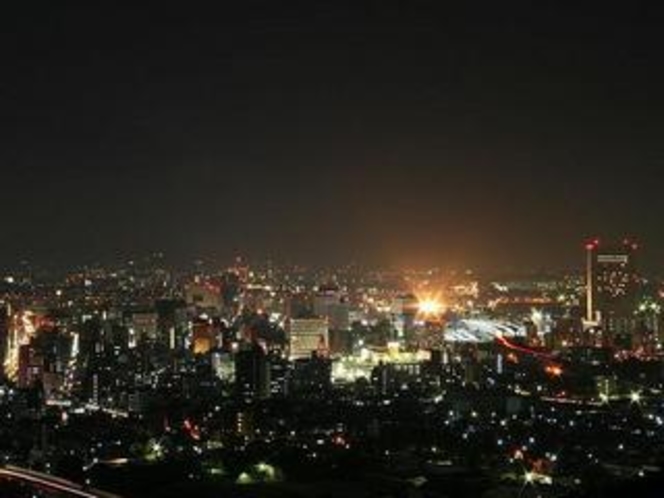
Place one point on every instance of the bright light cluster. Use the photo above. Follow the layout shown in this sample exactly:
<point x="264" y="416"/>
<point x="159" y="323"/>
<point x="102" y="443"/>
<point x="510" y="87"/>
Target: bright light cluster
<point x="430" y="307"/>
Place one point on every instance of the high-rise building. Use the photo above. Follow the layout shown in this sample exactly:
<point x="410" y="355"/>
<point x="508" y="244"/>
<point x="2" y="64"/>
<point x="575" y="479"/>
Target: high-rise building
<point x="252" y="373"/>
<point x="388" y="378"/>
<point x="611" y="286"/>
<point x="143" y="325"/>
<point x="404" y="311"/>
<point x="280" y="373"/>
<point x="30" y="366"/>
<point x="171" y="322"/>
<point x="307" y="336"/>
<point x="4" y="338"/>
<point x="205" y="334"/>
<point x="325" y="297"/>
<point x="330" y="303"/>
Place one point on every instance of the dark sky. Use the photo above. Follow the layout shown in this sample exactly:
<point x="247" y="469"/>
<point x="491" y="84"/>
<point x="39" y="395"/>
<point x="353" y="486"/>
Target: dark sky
<point x="330" y="131"/>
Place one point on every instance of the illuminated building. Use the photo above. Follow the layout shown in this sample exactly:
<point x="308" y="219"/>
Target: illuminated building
<point x="388" y="378"/>
<point x="203" y="336"/>
<point x="51" y="350"/>
<point x="223" y="365"/>
<point x="649" y="328"/>
<point x="404" y="310"/>
<point x="172" y="322"/>
<point x="280" y="373"/>
<point x="611" y="289"/>
<point x="326" y="297"/>
<point x="605" y="386"/>
<point x="144" y="326"/>
<point x="477" y="330"/>
<point x="4" y="338"/>
<point x="22" y="327"/>
<point x="203" y="296"/>
<point x="245" y="423"/>
<point x="306" y="336"/>
<point x="30" y="366"/>
<point x="329" y="303"/>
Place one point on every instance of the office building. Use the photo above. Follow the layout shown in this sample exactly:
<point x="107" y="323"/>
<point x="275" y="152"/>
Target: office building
<point x="252" y="373"/>
<point x="307" y="336"/>
<point x="611" y="290"/>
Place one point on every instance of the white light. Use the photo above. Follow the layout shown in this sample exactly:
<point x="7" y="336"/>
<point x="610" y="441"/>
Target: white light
<point x="430" y="307"/>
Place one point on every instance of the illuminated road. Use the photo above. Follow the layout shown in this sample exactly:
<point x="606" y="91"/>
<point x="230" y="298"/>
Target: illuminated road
<point x="521" y="349"/>
<point x="48" y="483"/>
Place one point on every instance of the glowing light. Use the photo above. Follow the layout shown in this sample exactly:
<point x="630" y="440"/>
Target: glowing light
<point x="635" y="397"/>
<point x="535" y="477"/>
<point x="554" y="370"/>
<point x="536" y="316"/>
<point x="430" y="307"/>
<point x="244" y="478"/>
<point x="22" y="328"/>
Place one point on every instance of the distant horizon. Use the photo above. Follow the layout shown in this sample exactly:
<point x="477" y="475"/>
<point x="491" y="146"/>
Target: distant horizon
<point x="226" y="262"/>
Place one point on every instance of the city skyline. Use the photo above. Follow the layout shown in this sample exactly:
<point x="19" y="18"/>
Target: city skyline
<point x="257" y="380"/>
<point x="330" y="249"/>
<point x="159" y="259"/>
<point x="493" y="138"/>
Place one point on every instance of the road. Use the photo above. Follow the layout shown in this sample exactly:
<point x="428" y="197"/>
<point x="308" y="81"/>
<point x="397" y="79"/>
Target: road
<point x="49" y="483"/>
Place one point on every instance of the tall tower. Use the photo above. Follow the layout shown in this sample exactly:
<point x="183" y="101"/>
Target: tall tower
<point x="4" y="336"/>
<point x="611" y="287"/>
<point x="591" y="247"/>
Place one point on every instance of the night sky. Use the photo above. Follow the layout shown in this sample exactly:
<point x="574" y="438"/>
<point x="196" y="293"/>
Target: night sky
<point x="329" y="132"/>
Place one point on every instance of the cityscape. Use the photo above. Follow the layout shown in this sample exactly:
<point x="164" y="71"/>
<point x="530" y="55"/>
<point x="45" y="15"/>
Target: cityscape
<point x="330" y="249"/>
<point x="144" y="380"/>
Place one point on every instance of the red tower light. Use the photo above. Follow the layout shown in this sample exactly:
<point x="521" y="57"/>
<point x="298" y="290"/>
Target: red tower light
<point x="593" y="244"/>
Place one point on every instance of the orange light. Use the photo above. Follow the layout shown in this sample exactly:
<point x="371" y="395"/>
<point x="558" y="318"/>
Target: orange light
<point x="554" y="370"/>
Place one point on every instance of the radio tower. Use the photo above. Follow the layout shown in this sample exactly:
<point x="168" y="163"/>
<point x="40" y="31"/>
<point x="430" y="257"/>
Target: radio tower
<point x="591" y="316"/>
